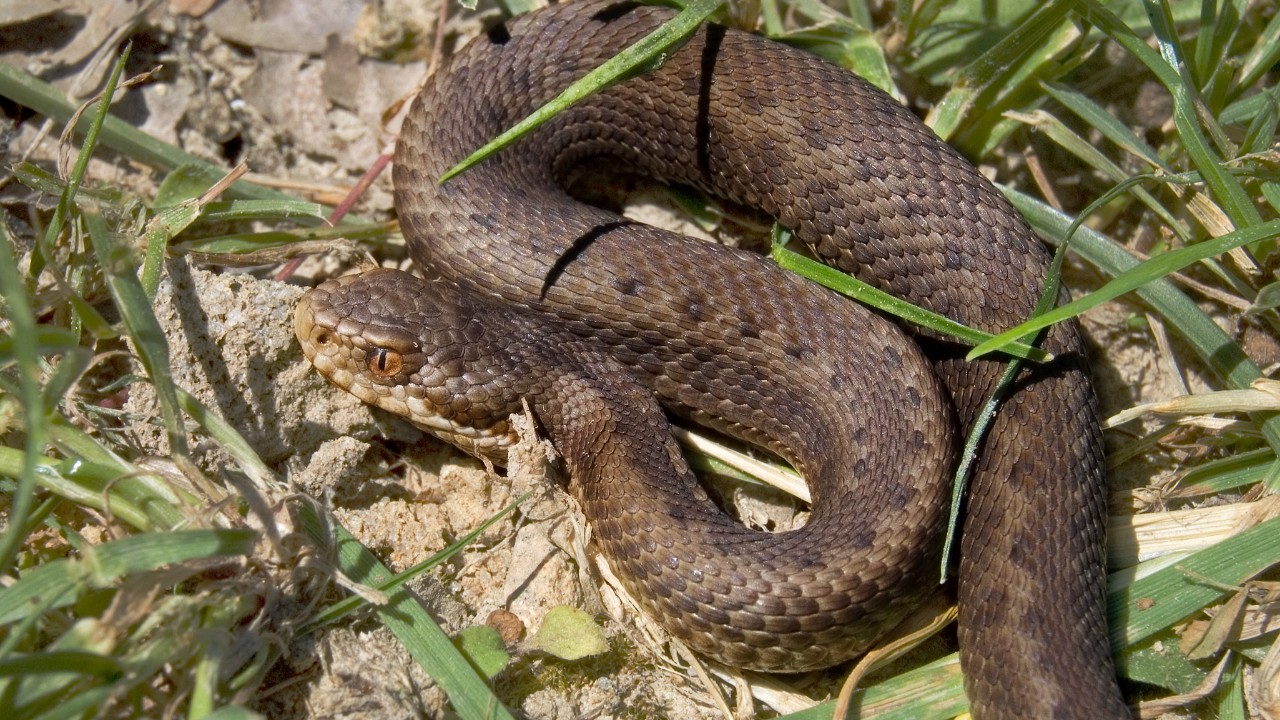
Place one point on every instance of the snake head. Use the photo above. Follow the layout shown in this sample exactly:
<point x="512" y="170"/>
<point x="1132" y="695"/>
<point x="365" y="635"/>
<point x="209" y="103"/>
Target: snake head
<point x="353" y="330"/>
<point x="408" y="346"/>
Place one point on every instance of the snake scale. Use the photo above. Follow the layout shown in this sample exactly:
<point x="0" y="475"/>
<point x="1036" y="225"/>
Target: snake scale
<point x="605" y="325"/>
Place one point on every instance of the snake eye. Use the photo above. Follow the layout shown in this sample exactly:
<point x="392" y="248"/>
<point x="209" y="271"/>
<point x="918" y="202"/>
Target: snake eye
<point x="384" y="363"/>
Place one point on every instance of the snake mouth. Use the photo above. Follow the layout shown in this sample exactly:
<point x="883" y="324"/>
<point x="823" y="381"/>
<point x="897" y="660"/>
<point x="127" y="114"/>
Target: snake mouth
<point x="332" y="353"/>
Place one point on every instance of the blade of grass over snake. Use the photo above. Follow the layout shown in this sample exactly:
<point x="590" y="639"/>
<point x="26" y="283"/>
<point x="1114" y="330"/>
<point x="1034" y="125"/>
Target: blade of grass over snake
<point x="973" y="441"/>
<point x="862" y="292"/>
<point x="1146" y="272"/>
<point x="1208" y="340"/>
<point x="405" y="617"/>
<point x="22" y="326"/>
<point x="649" y="52"/>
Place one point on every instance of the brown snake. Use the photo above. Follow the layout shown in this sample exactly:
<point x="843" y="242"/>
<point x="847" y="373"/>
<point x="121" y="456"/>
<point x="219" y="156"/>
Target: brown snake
<point x="603" y="325"/>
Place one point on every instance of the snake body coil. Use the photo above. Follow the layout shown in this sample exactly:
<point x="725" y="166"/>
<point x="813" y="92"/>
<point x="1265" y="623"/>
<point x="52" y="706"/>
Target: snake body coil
<point x="603" y="324"/>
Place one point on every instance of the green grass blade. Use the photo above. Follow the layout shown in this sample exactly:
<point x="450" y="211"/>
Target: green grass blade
<point x="1146" y="272"/>
<point x="276" y="210"/>
<point x="103" y="564"/>
<point x="933" y="691"/>
<point x="65" y="661"/>
<point x="22" y="325"/>
<point x="336" y="611"/>
<point x="31" y="92"/>
<point x="1214" y="346"/>
<point x="1088" y="152"/>
<point x="1157" y="601"/>
<point x="862" y="292"/>
<point x="68" y="195"/>
<point x="140" y="320"/>
<point x="1210" y="342"/>
<point x="267" y="240"/>
<point x="230" y="439"/>
<point x="1225" y="474"/>
<point x="88" y="488"/>
<point x="1264" y="55"/>
<point x="1116" y="29"/>
<point x="1224" y="187"/>
<point x="993" y="66"/>
<point x="1096" y="117"/>
<point x="648" y="50"/>
<point x="405" y="617"/>
<point x="47" y="338"/>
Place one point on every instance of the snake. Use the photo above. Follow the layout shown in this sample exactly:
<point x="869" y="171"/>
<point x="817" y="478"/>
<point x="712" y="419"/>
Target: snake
<point x="607" y="330"/>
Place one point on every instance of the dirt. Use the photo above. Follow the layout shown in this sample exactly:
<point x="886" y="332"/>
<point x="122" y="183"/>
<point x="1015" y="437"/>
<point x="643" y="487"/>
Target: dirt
<point x="302" y="92"/>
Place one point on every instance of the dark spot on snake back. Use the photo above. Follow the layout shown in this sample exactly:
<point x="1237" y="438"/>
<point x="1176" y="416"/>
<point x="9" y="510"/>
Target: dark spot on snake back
<point x="897" y="496"/>
<point x="913" y="396"/>
<point x="499" y="34"/>
<point x="627" y="286"/>
<point x="615" y="11"/>
<point x="864" y="539"/>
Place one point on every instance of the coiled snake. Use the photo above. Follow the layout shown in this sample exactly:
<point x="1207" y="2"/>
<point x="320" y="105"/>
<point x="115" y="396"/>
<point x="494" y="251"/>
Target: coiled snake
<point x="603" y="325"/>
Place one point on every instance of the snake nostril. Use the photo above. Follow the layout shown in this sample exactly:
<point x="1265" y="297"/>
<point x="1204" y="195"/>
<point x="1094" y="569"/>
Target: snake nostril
<point x="323" y="338"/>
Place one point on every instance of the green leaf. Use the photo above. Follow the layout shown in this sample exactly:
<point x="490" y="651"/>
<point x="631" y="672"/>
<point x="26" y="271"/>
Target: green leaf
<point x="1153" y="603"/>
<point x="482" y="646"/>
<point x="1160" y="663"/>
<point x="569" y="634"/>
<point x="640" y="56"/>
<point x="57" y="583"/>
<point x="187" y="182"/>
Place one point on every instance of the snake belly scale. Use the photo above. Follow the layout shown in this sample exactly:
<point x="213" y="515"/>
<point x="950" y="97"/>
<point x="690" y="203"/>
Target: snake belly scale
<point x="605" y="326"/>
